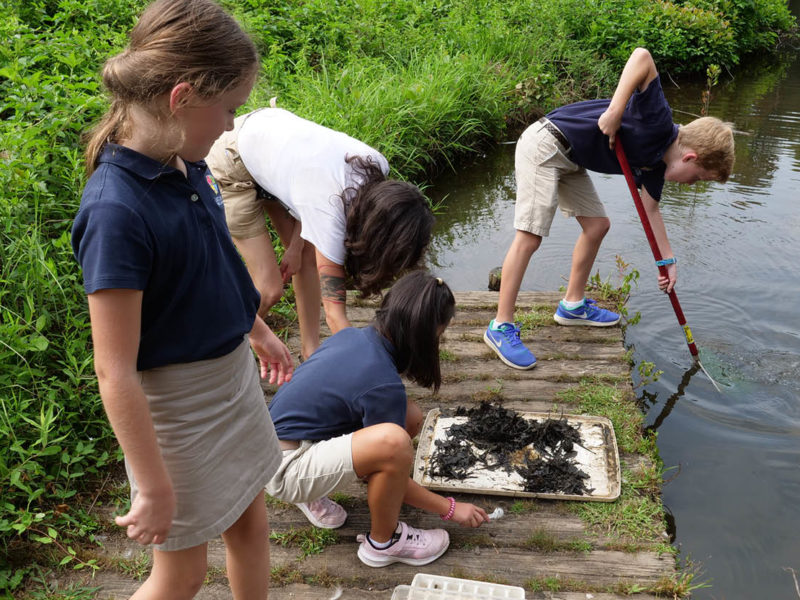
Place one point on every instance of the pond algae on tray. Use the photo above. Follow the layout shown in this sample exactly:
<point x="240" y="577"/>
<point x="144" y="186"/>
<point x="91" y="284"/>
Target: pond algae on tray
<point x="493" y="450"/>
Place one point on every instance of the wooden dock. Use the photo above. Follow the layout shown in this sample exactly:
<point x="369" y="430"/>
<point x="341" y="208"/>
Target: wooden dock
<point x="554" y="549"/>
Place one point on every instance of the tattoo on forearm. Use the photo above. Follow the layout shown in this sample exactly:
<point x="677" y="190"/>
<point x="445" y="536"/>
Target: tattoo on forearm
<point x="333" y="289"/>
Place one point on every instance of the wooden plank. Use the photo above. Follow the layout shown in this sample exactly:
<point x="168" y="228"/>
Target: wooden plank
<point x="559" y="369"/>
<point x="115" y="586"/>
<point x="544" y="349"/>
<point x="534" y="397"/>
<point x="512" y="566"/>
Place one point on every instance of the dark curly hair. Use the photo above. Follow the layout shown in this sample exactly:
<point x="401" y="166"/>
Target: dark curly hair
<point x="388" y="227"/>
<point x="413" y="315"/>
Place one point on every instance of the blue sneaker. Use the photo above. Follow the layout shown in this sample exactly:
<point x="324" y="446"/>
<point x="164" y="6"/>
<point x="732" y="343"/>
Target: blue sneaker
<point x="587" y="313"/>
<point x="506" y="343"/>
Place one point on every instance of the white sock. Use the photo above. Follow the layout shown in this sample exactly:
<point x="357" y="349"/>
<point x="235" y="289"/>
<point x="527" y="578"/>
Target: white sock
<point x="379" y="545"/>
<point x="495" y="326"/>
<point x="572" y="305"/>
<point x="384" y="545"/>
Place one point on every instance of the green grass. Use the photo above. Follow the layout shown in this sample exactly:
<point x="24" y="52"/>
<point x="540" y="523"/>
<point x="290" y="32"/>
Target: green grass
<point x="447" y="356"/>
<point x="614" y="403"/>
<point x="638" y="514"/>
<point x="545" y="541"/>
<point x="540" y="315"/>
<point x="310" y="540"/>
<point x="136" y="567"/>
<point x="632" y="517"/>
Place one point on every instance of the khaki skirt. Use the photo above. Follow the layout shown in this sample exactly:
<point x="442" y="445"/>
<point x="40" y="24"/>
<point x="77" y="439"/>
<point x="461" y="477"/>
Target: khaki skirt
<point x="217" y="441"/>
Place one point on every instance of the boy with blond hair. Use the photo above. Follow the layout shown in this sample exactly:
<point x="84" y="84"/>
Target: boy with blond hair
<point x="552" y="159"/>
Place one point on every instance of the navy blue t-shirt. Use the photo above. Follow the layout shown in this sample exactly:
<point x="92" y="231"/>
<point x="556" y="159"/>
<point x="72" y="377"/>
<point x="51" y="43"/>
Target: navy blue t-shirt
<point x="647" y="131"/>
<point x="349" y="383"/>
<point x="144" y="226"/>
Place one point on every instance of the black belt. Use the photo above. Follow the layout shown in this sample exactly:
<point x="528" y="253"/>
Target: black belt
<point x="556" y="134"/>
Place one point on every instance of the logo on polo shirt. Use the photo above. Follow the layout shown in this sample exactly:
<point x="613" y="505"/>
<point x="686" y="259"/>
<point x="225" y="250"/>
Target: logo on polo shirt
<point x="212" y="183"/>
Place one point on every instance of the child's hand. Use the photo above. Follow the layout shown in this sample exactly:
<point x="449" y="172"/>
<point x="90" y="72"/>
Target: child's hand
<point x="150" y="517"/>
<point x="609" y="123"/>
<point x="666" y="283"/>
<point x="469" y="515"/>
<point x="290" y="263"/>
<point x="274" y="356"/>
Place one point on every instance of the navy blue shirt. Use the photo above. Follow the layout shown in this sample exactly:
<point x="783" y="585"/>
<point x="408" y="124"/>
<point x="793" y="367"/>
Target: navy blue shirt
<point x="145" y="226"/>
<point x="647" y="131"/>
<point x="349" y="383"/>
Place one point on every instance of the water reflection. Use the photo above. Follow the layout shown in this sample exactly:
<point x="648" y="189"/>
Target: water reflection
<point x="734" y="499"/>
<point x="664" y="412"/>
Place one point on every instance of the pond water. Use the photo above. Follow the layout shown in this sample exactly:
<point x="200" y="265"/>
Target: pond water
<point x="733" y="482"/>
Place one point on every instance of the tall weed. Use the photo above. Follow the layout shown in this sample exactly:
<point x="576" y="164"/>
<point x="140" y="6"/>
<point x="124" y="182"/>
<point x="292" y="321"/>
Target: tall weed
<point x="683" y="35"/>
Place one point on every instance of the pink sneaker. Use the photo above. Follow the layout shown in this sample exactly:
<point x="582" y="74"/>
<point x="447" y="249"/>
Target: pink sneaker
<point x="324" y="513"/>
<point x="413" y="547"/>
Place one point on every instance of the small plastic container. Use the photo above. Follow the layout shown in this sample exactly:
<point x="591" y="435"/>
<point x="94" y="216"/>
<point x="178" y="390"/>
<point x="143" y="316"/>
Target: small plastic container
<point x="437" y="587"/>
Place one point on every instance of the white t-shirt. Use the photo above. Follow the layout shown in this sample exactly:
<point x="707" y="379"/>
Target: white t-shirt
<point x="303" y="165"/>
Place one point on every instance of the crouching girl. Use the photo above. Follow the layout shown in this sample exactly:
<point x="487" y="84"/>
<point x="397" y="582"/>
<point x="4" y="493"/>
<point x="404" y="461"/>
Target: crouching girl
<point x="345" y="416"/>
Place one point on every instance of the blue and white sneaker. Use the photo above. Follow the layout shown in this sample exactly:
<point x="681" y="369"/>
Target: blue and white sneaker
<point x="587" y="313"/>
<point x="506" y="343"/>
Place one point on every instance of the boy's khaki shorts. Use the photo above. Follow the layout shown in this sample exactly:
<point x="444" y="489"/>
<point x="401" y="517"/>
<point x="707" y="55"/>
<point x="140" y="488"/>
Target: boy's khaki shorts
<point x="245" y="209"/>
<point x="546" y="179"/>
<point x="314" y="470"/>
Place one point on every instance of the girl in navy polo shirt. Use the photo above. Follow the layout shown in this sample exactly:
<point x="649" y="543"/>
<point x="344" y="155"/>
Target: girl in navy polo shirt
<point x="359" y="424"/>
<point x="172" y="306"/>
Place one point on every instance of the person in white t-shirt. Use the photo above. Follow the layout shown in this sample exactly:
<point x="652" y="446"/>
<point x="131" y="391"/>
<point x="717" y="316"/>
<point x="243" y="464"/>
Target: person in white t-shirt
<point x="327" y="195"/>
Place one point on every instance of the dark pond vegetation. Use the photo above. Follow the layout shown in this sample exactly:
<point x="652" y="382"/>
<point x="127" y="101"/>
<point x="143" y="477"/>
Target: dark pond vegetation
<point x="494" y="437"/>
<point x="425" y="81"/>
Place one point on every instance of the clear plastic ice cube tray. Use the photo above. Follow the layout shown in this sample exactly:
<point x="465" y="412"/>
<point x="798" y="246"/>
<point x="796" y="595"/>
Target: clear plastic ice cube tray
<point x="437" y="587"/>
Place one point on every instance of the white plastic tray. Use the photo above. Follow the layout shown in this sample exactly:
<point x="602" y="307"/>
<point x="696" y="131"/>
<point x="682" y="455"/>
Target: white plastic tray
<point x="597" y="456"/>
<point x="437" y="587"/>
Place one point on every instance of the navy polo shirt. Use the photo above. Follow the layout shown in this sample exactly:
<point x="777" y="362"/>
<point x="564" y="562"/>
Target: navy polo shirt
<point x="647" y="131"/>
<point x="350" y="382"/>
<point x="145" y="226"/>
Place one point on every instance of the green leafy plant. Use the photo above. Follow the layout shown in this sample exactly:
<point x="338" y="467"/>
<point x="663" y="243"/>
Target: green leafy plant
<point x="310" y="540"/>
<point x="648" y="373"/>
<point x="712" y="79"/>
<point x="618" y="292"/>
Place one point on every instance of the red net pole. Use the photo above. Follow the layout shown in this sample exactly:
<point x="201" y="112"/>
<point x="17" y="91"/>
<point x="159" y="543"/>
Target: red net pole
<point x="648" y="231"/>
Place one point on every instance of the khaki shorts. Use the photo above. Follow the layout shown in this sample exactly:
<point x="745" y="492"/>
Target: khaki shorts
<point x="244" y="206"/>
<point x="546" y="179"/>
<point x="314" y="470"/>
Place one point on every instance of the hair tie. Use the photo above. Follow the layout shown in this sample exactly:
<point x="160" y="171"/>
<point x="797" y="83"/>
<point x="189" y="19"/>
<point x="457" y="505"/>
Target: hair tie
<point x="439" y="280"/>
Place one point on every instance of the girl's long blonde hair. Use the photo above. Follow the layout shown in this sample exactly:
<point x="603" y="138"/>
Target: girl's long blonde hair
<point x="175" y="41"/>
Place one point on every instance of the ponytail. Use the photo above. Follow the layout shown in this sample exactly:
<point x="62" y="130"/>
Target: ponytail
<point x="109" y="129"/>
<point x="174" y="41"/>
<point x="413" y="315"/>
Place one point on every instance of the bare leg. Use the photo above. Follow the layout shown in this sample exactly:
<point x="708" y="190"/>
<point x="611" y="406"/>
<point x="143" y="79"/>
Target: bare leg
<point x="259" y="257"/>
<point x="175" y="575"/>
<point x="247" y="551"/>
<point x="594" y="230"/>
<point x="383" y="454"/>
<point x="414" y="418"/>
<point x="308" y="297"/>
<point x="514" y="266"/>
